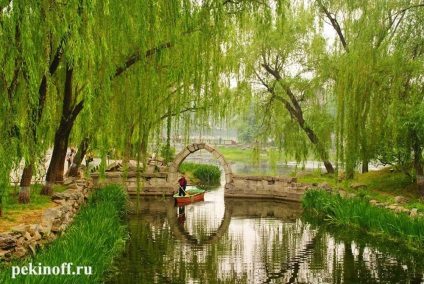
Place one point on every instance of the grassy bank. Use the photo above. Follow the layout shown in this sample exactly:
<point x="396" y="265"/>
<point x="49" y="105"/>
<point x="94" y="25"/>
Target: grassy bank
<point x="15" y="213"/>
<point x="96" y="236"/>
<point x="382" y="185"/>
<point x="360" y="214"/>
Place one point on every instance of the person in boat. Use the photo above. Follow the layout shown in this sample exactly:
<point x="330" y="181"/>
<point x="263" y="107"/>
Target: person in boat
<point x="182" y="182"/>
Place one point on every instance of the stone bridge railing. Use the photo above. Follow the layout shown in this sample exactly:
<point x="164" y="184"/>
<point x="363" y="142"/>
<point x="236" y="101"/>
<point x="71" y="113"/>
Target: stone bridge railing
<point x="284" y="188"/>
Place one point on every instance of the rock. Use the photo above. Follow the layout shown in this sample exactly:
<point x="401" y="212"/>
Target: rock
<point x="392" y="207"/>
<point x="61" y="196"/>
<point x="59" y="201"/>
<point x="27" y="236"/>
<point x="325" y="185"/>
<point x="400" y="209"/>
<point x="51" y="214"/>
<point x="21" y="228"/>
<point x="401" y="199"/>
<point x="114" y="167"/>
<point x="373" y="202"/>
<point x="350" y="195"/>
<point x="357" y="185"/>
<point x="342" y="193"/>
<point x="7" y="241"/>
<point x="37" y="236"/>
<point x="19" y="252"/>
<point x="69" y="181"/>
<point x="74" y="186"/>
<point x="5" y="254"/>
<point x="20" y="241"/>
<point x="45" y="229"/>
<point x="413" y="212"/>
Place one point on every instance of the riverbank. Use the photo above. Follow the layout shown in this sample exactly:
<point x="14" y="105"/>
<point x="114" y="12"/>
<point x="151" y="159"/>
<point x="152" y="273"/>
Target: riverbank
<point x="360" y="213"/>
<point x="96" y="236"/>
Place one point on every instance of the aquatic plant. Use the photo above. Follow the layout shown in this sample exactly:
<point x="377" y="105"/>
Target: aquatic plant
<point x="209" y="174"/>
<point x="358" y="212"/>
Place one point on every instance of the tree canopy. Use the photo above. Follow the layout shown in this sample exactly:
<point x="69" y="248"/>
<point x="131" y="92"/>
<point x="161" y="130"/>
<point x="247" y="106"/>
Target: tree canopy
<point x="342" y="80"/>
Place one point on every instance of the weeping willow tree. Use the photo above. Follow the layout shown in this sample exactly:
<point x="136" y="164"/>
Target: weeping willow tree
<point x="27" y="63"/>
<point x="375" y="40"/>
<point x="283" y="55"/>
<point x="180" y="43"/>
<point x="405" y="134"/>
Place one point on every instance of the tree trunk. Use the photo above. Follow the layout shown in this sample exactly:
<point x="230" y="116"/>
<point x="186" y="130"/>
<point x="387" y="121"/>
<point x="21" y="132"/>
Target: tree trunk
<point x="365" y="168"/>
<point x="294" y="108"/>
<point x="127" y="147"/>
<point x="57" y="163"/>
<point x="69" y="114"/>
<point x="24" y="196"/>
<point x="82" y="149"/>
<point x="417" y="152"/>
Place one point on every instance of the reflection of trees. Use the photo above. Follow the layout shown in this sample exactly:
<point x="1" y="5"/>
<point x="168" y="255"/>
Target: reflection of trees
<point x="252" y="248"/>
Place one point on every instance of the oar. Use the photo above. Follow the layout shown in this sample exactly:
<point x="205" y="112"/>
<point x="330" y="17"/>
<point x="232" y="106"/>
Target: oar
<point x="183" y="190"/>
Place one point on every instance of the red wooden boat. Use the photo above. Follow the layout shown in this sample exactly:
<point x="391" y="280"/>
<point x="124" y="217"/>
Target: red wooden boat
<point x="192" y="195"/>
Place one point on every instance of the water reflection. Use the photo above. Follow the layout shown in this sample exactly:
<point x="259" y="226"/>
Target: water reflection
<point x="246" y="241"/>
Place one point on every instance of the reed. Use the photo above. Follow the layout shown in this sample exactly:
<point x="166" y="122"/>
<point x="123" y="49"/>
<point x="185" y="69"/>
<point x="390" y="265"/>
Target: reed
<point x="208" y="174"/>
<point x="358" y="212"/>
<point x="97" y="235"/>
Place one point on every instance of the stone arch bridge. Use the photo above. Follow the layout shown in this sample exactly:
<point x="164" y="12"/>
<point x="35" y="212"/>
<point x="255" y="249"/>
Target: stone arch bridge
<point x="174" y="166"/>
<point x="165" y="181"/>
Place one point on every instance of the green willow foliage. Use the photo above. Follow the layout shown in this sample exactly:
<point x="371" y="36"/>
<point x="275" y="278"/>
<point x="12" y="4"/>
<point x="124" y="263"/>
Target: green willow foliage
<point x="324" y="74"/>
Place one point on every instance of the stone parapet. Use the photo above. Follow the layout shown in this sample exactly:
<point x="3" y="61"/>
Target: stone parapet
<point x="284" y="188"/>
<point x="28" y="238"/>
<point x="138" y="183"/>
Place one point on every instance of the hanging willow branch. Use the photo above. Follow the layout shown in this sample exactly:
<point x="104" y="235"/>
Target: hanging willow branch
<point x="335" y="25"/>
<point x="137" y="56"/>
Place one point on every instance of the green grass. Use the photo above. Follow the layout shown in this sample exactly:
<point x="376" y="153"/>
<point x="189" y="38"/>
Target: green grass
<point x="359" y="213"/>
<point x="208" y="174"/>
<point x="236" y="154"/>
<point x="382" y="185"/>
<point x="96" y="236"/>
<point x="10" y="199"/>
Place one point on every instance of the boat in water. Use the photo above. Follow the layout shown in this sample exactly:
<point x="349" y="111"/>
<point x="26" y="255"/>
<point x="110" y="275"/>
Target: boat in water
<point x="192" y="195"/>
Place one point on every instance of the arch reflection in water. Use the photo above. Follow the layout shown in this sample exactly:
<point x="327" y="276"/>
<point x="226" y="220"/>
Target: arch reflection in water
<point x="246" y="241"/>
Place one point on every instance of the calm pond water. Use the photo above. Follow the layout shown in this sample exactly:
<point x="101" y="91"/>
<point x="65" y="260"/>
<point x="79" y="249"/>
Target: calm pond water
<point x="251" y="241"/>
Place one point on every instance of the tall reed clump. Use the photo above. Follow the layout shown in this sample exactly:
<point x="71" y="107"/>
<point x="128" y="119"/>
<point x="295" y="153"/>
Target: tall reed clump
<point x="209" y="174"/>
<point x="358" y="212"/>
<point x="97" y="235"/>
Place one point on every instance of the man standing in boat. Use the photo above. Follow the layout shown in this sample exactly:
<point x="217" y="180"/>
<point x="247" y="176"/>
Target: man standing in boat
<point x="183" y="184"/>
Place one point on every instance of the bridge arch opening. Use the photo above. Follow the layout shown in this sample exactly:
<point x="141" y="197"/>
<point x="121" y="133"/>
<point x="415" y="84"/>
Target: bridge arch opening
<point x="174" y="166"/>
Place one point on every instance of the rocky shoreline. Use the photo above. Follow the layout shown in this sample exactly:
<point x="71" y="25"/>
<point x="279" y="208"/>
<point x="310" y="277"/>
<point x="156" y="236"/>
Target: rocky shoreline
<point x="25" y="239"/>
